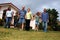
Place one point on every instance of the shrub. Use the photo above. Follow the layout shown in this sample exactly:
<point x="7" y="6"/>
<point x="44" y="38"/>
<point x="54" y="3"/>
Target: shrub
<point x="1" y="22"/>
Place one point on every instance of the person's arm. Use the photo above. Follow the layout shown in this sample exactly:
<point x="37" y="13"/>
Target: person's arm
<point x="12" y="14"/>
<point x="31" y="16"/>
<point x="41" y="15"/>
<point x="25" y="14"/>
<point x="18" y="15"/>
<point x="47" y="17"/>
<point x="40" y="19"/>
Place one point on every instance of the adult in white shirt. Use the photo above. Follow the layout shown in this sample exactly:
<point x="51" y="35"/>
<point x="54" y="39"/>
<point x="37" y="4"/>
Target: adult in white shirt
<point x="9" y="15"/>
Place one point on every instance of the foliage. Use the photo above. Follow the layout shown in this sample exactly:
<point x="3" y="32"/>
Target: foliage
<point x="53" y="15"/>
<point x="1" y="22"/>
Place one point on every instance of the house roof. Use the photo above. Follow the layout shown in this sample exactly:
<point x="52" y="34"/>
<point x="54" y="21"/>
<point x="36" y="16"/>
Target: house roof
<point x="10" y="4"/>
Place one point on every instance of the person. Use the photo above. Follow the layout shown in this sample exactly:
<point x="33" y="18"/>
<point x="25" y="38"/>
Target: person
<point x="22" y="14"/>
<point x="28" y="18"/>
<point x="9" y="15"/>
<point x="32" y="23"/>
<point x="16" y="18"/>
<point x="45" y="18"/>
<point x="40" y="22"/>
<point x="37" y="19"/>
<point x="4" y="16"/>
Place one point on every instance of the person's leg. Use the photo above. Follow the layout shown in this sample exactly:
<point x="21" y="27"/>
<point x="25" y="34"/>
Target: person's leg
<point x="45" y="29"/>
<point x="10" y="19"/>
<point x="23" y="21"/>
<point x="28" y="24"/>
<point x="22" y="26"/>
<point x="6" y="22"/>
<point x="37" y="27"/>
<point x="43" y="25"/>
<point x="14" y="23"/>
<point x="37" y="23"/>
<point x="19" y="22"/>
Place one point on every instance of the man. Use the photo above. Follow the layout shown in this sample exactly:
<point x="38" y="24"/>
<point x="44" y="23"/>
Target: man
<point x="9" y="15"/>
<point x="45" y="20"/>
<point x="22" y="14"/>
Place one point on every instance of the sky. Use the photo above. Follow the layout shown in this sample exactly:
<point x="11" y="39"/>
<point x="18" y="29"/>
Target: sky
<point x="36" y="5"/>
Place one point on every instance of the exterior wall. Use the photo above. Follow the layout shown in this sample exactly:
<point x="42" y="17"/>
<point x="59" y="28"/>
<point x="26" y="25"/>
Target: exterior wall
<point x="5" y="7"/>
<point x="1" y="11"/>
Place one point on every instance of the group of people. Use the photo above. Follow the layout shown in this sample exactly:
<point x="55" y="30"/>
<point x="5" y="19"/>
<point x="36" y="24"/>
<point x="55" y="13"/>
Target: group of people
<point x="23" y="18"/>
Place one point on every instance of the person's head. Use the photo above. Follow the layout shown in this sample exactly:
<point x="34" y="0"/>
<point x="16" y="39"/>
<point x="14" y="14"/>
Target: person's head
<point x="9" y="8"/>
<point x="38" y="13"/>
<point x="45" y="9"/>
<point x="28" y="9"/>
<point x="16" y="13"/>
<point x="34" y="16"/>
<point x="23" y="7"/>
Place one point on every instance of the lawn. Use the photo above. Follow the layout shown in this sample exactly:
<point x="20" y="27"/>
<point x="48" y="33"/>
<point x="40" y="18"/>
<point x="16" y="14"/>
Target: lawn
<point x="15" y="34"/>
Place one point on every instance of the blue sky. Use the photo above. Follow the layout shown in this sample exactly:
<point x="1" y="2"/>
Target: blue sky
<point x="35" y="5"/>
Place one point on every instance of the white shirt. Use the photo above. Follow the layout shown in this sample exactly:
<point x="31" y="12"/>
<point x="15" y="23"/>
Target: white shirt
<point x="9" y="13"/>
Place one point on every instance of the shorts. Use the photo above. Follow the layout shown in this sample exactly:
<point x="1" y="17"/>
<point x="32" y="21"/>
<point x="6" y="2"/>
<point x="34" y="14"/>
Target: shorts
<point x="37" y="23"/>
<point x="21" y="20"/>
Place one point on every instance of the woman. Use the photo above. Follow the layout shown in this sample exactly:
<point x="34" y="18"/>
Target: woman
<point x="9" y="15"/>
<point x="28" y="18"/>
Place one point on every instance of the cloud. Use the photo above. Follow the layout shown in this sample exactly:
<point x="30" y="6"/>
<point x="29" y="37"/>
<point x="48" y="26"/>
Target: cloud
<point x="35" y="5"/>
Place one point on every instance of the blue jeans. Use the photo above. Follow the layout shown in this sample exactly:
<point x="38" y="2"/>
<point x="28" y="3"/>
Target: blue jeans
<point x="8" y="21"/>
<point x="44" y="24"/>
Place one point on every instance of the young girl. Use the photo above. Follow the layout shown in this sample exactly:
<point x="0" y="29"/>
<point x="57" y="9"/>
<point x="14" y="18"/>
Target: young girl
<point x="37" y="18"/>
<point x="32" y="23"/>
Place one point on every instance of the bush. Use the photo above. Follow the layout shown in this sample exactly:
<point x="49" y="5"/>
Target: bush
<point x="1" y="22"/>
<point x="53" y="15"/>
<point x="58" y="27"/>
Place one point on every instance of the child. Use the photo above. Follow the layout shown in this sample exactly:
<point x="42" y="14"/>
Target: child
<point x="37" y="17"/>
<point x="32" y="23"/>
<point x="16" y="18"/>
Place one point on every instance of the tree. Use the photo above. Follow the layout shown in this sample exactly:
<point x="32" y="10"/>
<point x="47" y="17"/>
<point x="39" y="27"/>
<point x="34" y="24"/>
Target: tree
<point x="53" y="15"/>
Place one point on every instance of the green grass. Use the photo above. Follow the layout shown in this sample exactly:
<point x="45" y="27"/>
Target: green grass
<point x="15" y="34"/>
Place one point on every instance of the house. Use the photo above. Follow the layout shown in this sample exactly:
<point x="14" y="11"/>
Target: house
<point x="4" y="6"/>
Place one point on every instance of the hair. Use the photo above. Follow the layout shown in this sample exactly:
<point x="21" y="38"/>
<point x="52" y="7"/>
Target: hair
<point x="45" y="10"/>
<point x="9" y="8"/>
<point x="17" y="13"/>
<point x="28" y="9"/>
<point x="38" y="13"/>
